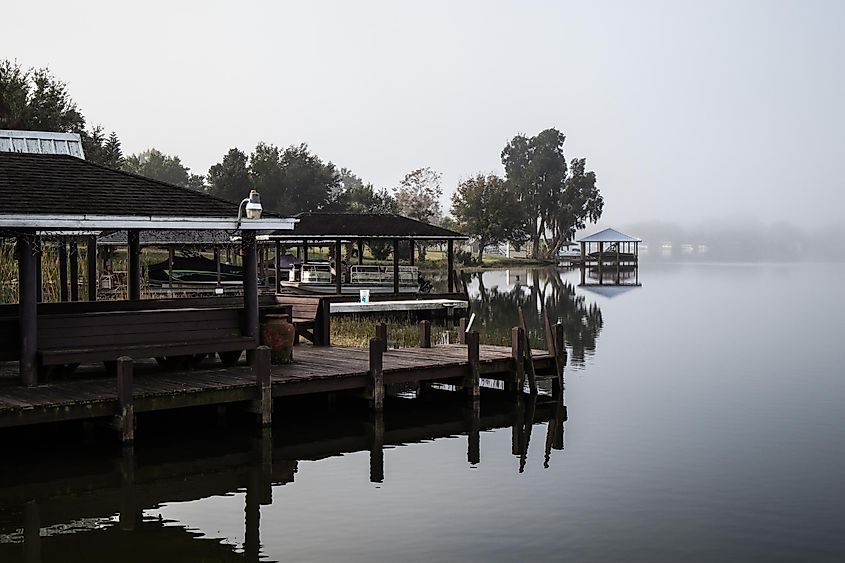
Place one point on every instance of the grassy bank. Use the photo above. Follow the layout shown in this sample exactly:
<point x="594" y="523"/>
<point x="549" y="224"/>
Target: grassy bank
<point x="402" y="331"/>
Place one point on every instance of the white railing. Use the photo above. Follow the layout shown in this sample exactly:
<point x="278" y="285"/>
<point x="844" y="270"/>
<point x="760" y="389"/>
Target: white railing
<point x="315" y="274"/>
<point x="382" y="275"/>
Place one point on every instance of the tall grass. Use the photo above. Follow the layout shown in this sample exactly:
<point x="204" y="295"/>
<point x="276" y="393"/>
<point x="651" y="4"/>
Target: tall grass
<point x="402" y="330"/>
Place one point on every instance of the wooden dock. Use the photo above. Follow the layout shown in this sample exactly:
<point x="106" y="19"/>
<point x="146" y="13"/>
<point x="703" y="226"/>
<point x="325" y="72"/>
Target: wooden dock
<point x="314" y="370"/>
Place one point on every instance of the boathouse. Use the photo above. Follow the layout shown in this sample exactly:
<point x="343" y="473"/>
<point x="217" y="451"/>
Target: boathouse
<point x="56" y="195"/>
<point x="609" y="252"/>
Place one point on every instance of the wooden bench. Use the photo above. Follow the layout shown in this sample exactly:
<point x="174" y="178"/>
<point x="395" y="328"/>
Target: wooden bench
<point x="311" y="317"/>
<point x="166" y="334"/>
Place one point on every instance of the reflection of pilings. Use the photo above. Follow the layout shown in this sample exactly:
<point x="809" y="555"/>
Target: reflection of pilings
<point x="252" y="518"/>
<point x="376" y="431"/>
<point x="473" y="415"/>
<point x="31" y="532"/>
<point x="528" y="426"/>
<point x="129" y="514"/>
<point x="554" y="432"/>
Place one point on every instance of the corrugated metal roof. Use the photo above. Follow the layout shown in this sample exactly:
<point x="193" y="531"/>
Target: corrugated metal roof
<point x="609" y="235"/>
<point x="41" y="142"/>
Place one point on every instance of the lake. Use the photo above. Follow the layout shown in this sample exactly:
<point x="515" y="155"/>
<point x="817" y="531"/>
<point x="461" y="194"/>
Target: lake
<point x="704" y="421"/>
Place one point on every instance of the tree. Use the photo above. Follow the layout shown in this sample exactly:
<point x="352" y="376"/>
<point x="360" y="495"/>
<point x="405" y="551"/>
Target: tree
<point x="154" y="164"/>
<point x="230" y="179"/>
<point x="537" y="171"/>
<point x="418" y="195"/>
<point x="103" y="150"/>
<point x="486" y="208"/>
<point x="34" y="99"/>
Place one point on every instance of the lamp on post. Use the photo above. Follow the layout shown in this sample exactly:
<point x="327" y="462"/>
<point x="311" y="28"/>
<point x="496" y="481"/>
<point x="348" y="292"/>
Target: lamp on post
<point x="252" y="204"/>
<point x="253" y="207"/>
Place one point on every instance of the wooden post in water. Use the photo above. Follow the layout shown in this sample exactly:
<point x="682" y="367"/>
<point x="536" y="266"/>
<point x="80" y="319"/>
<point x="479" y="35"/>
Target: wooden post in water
<point x="27" y="308"/>
<point x="91" y="263"/>
<point x="62" y="244"/>
<point x="74" y="269"/>
<point x="375" y="389"/>
<point x="518" y="355"/>
<point x="126" y="416"/>
<point x="265" y="390"/>
<point x="474" y="433"/>
<point x="462" y="330"/>
<point x="31" y="532"/>
<point x="381" y="334"/>
<point x="472" y="384"/>
<point x="425" y="334"/>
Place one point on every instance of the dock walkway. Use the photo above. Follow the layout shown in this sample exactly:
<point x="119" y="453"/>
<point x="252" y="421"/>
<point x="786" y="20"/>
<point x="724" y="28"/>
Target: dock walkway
<point x="315" y="370"/>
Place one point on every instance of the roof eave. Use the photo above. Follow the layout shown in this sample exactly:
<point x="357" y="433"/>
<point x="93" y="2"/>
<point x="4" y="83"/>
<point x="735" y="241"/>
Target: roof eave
<point x="144" y="222"/>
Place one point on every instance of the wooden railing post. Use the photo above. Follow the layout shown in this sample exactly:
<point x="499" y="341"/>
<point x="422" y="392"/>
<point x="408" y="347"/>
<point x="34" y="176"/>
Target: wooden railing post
<point x="462" y="330"/>
<point x="376" y="374"/>
<point x="265" y="389"/>
<point x="324" y="323"/>
<point x="425" y="334"/>
<point x="472" y="381"/>
<point x="518" y="355"/>
<point x="126" y="416"/>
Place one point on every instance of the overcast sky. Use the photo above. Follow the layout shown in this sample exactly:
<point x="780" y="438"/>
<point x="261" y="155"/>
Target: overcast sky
<point x="685" y="110"/>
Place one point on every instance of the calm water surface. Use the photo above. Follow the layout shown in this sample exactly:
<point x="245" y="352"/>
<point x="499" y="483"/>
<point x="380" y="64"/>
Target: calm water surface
<point x="706" y="422"/>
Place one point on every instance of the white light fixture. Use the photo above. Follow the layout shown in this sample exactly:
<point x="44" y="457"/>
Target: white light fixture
<point x="253" y="207"/>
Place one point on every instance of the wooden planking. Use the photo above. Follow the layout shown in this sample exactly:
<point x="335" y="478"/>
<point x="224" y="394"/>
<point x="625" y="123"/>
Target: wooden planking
<point x="315" y="370"/>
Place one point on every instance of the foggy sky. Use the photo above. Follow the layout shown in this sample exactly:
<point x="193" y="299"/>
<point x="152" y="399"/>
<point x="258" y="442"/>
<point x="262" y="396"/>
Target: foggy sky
<point x="685" y="110"/>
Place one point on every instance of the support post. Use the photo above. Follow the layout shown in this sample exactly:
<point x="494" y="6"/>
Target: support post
<point x="265" y="390"/>
<point x="170" y="256"/>
<point x="450" y="263"/>
<point x="462" y="330"/>
<point x="278" y="272"/>
<point x="134" y="264"/>
<point x="425" y="334"/>
<point x="338" y="267"/>
<point x="126" y="416"/>
<point x="411" y="254"/>
<point x="376" y="374"/>
<point x="74" y="269"/>
<point x="304" y="251"/>
<point x="381" y="334"/>
<point x="360" y="251"/>
<point x="27" y="308"/>
<point x="217" y="265"/>
<point x="250" y="284"/>
<point x="601" y="263"/>
<point x="91" y="263"/>
<point x="62" y="244"/>
<point x="396" y="266"/>
<point x="39" y="280"/>
<point x="518" y="355"/>
<point x="472" y="385"/>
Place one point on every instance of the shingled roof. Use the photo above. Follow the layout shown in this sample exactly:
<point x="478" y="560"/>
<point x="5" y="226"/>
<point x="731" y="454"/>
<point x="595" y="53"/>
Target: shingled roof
<point x="328" y="226"/>
<point x="61" y="191"/>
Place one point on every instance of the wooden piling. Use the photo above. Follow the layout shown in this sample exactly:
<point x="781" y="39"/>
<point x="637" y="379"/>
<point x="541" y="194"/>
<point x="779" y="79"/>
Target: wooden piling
<point x="265" y="391"/>
<point x="518" y="355"/>
<point x="529" y="359"/>
<point x="381" y="334"/>
<point x="375" y="389"/>
<point x="472" y="379"/>
<point x="462" y="330"/>
<point x="425" y="334"/>
<point x="126" y="417"/>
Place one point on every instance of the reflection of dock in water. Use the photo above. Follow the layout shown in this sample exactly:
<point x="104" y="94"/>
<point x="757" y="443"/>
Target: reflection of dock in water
<point x="87" y="490"/>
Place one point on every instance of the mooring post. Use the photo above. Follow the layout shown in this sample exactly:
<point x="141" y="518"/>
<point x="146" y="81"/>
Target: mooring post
<point x="31" y="532"/>
<point x="381" y="334"/>
<point x="265" y="388"/>
<point x="263" y="380"/>
<point x="126" y="418"/>
<point x="376" y="383"/>
<point x="518" y="355"/>
<point x="462" y="330"/>
<point x="425" y="334"/>
<point x="472" y="384"/>
<point x="377" y="448"/>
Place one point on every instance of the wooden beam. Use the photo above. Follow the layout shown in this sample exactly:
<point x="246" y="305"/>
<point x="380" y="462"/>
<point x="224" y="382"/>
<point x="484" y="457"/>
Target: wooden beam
<point x="411" y="254"/>
<point x="250" y="284"/>
<point x="91" y="263"/>
<point x="27" y="308"/>
<point x="396" y="266"/>
<point x="338" y="268"/>
<point x="304" y="251"/>
<point x="360" y="251"/>
<point x="39" y="281"/>
<point x="74" y="269"/>
<point x="450" y="263"/>
<point x="62" y="244"/>
<point x="462" y="330"/>
<point x="134" y="264"/>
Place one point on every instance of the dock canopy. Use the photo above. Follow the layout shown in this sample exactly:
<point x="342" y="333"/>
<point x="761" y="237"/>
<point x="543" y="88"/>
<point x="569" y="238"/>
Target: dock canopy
<point x="609" y="235"/>
<point x="332" y="226"/>
<point x="59" y="192"/>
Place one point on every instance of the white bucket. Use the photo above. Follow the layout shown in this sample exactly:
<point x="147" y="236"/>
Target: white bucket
<point x="364" y="295"/>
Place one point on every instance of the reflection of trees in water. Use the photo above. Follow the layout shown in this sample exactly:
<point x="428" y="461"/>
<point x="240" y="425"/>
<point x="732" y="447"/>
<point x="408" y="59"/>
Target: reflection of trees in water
<point x="497" y="312"/>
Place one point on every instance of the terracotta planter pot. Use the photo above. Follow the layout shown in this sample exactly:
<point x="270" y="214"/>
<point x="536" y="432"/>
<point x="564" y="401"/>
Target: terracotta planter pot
<point x="278" y="333"/>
